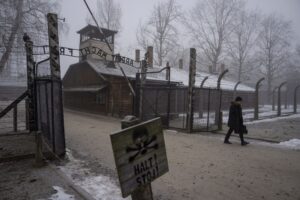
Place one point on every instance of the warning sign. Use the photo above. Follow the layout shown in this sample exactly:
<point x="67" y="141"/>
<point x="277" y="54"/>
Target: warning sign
<point x="140" y="155"/>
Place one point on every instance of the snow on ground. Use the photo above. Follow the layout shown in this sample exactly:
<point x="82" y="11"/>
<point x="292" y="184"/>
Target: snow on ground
<point x="248" y="114"/>
<point x="61" y="194"/>
<point x="291" y="144"/>
<point x="274" y="119"/>
<point x="99" y="186"/>
<point x="266" y="115"/>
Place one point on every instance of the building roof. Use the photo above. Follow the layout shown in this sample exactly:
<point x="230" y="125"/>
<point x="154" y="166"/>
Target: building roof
<point x="177" y="75"/>
<point x="94" y="32"/>
<point x="102" y="68"/>
<point x="86" y="89"/>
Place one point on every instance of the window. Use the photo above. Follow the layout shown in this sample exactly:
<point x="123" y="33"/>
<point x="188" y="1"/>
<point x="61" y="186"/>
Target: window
<point x="84" y="38"/>
<point x="109" y="39"/>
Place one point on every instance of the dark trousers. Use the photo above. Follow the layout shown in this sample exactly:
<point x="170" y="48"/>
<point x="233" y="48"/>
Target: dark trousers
<point x="229" y="134"/>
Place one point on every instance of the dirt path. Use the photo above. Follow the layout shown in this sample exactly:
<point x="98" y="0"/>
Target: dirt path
<point x="201" y="167"/>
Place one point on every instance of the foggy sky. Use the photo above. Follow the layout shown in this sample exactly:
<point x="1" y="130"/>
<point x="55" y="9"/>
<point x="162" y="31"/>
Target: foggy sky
<point x="136" y="11"/>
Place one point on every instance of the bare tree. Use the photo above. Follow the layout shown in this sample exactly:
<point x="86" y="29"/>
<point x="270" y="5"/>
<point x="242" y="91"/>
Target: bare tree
<point x="160" y="30"/>
<point x="17" y="17"/>
<point x="240" y="46"/>
<point x="178" y="52"/>
<point x="108" y="15"/>
<point x="144" y="36"/>
<point x="210" y="24"/>
<point x="273" y="43"/>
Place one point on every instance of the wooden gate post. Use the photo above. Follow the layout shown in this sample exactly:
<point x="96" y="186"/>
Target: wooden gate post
<point x="256" y="104"/>
<point x="56" y="87"/>
<point x="30" y="82"/>
<point x="192" y="74"/>
<point x="53" y="45"/>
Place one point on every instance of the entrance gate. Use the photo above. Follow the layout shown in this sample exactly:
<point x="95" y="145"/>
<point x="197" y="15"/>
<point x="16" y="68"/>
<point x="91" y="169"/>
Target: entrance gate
<point x="49" y="114"/>
<point x="45" y="109"/>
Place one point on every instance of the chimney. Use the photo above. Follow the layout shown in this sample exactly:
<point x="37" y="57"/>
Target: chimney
<point x="210" y="69"/>
<point x="181" y="63"/>
<point x="137" y="55"/>
<point x="222" y="68"/>
<point x="150" y="56"/>
<point x="168" y="71"/>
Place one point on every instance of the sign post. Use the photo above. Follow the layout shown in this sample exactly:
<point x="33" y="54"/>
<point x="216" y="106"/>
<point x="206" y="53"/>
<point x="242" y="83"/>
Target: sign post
<point x="140" y="158"/>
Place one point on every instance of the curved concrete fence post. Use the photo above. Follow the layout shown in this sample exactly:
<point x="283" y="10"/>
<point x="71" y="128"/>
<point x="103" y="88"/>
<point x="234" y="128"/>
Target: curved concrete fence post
<point x="235" y="87"/>
<point x="218" y="120"/>
<point x="273" y="98"/>
<point x="279" y="99"/>
<point x="203" y="81"/>
<point x="295" y="98"/>
<point x="256" y="103"/>
<point x="220" y="78"/>
<point x="201" y="103"/>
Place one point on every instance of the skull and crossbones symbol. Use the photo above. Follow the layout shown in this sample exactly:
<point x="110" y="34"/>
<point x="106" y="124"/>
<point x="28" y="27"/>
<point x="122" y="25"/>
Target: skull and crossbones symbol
<point x="142" y="143"/>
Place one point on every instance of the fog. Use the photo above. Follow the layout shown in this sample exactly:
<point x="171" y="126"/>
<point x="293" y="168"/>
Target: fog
<point x="136" y="11"/>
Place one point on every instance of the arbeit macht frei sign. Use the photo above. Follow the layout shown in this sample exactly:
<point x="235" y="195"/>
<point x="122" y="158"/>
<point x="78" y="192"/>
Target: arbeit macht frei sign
<point x="66" y="51"/>
<point x="140" y="155"/>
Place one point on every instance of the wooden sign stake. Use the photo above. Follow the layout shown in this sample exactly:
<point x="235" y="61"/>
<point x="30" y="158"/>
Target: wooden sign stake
<point x="140" y="156"/>
<point x="143" y="192"/>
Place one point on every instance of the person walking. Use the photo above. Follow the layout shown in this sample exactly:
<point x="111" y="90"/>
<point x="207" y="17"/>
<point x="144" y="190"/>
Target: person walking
<point x="235" y="121"/>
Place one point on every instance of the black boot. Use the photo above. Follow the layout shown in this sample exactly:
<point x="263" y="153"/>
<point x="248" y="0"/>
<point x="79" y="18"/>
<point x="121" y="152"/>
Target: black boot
<point x="226" y="140"/>
<point x="243" y="142"/>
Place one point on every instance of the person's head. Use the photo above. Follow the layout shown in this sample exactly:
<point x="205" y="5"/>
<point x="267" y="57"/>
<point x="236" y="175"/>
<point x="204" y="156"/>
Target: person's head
<point x="238" y="100"/>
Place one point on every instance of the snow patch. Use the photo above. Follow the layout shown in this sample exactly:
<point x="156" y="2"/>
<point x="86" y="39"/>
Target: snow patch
<point x="170" y="131"/>
<point x="61" y="194"/>
<point x="274" y="119"/>
<point x="291" y="144"/>
<point x="99" y="186"/>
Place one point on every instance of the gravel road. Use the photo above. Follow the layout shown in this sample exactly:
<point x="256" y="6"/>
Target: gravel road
<point x="201" y="166"/>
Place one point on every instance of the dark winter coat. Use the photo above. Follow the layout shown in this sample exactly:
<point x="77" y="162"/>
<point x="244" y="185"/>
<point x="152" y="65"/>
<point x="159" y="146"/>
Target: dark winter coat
<point x="235" y="120"/>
